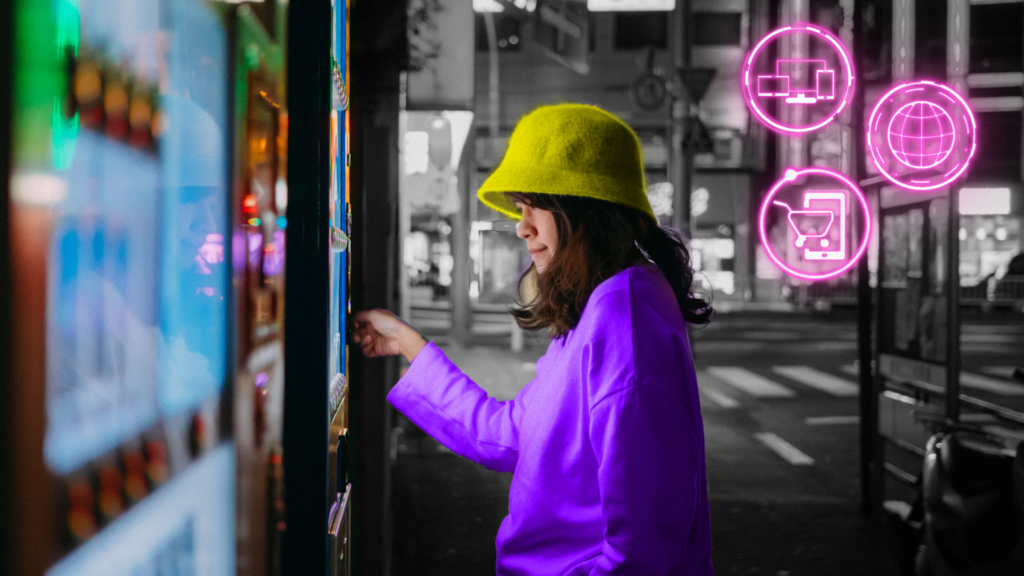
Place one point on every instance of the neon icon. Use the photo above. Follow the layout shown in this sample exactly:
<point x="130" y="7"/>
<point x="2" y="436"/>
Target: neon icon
<point x="821" y="86"/>
<point x="822" y="220"/>
<point x="921" y="135"/>
<point x="813" y="207"/>
<point x="788" y="82"/>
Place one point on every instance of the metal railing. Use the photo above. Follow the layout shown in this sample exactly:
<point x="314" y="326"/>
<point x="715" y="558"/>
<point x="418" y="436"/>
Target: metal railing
<point x="993" y="292"/>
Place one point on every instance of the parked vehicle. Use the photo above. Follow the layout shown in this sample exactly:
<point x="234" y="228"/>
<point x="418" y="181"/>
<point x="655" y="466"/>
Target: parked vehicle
<point x="968" y="518"/>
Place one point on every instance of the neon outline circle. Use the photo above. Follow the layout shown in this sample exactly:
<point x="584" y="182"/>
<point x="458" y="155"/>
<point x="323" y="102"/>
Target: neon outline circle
<point x="790" y="176"/>
<point x="941" y="155"/>
<point x="748" y="64"/>
<point x="973" y="134"/>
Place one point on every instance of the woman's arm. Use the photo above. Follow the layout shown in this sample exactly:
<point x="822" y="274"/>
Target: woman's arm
<point x="446" y="404"/>
<point x="410" y="342"/>
<point x="438" y="397"/>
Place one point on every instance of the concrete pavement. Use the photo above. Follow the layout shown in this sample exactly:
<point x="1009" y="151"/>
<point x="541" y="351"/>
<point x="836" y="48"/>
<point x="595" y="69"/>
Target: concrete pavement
<point x="783" y="467"/>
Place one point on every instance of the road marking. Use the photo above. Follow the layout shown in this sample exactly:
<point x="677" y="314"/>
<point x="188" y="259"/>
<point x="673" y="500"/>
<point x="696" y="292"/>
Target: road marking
<point x="829" y="346"/>
<point x="988" y="338"/>
<point x="817" y="379"/>
<point x="754" y="384"/>
<point x="787" y="451"/>
<point x="722" y="400"/>
<point x="769" y="335"/>
<point x="830" y="420"/>
<point x="979" y="382"/>
<point x="850" y="369"/>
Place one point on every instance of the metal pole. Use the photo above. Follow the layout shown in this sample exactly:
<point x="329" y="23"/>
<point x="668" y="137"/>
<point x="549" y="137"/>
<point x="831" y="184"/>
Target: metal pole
<point x="404" y="209"/>
<point x="681" y="111"/>
<point x="953" y="303"/>
<point x="493" y="87"/>
<point x="864" y="350"/>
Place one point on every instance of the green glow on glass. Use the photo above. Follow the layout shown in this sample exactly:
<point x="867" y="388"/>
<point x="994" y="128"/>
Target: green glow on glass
<point x="39" y="78"/>
<point x="65" y="131"/>
<point x="69" y="31"/>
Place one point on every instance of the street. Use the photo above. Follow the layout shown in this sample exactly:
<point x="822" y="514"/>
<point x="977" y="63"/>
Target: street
<point x="779" y="399"/>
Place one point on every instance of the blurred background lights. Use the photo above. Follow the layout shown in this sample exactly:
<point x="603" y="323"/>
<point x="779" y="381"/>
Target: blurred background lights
<point x="495" y="6"/>
<point x="417" y="152"/>
<point x="631" y="5"/>
<point x="660" y="195"/>
<point x="699" y="201"/>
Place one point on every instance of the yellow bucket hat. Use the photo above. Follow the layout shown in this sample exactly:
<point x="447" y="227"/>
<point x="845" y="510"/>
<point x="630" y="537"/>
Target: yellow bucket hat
<point x="572" y="150"/>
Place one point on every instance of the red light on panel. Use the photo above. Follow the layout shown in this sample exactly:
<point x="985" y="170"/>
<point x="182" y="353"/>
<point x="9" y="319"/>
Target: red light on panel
<point x="157" y="469"/>
<point x="81" y="522"/>
<point x="111" y="503"/>
<point x="135" y="486"/>
<point x="249" y="204"/>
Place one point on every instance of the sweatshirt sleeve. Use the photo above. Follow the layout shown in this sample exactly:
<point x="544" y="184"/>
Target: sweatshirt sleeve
<point x="446" y="404"/>
<point x="648" y="476"/>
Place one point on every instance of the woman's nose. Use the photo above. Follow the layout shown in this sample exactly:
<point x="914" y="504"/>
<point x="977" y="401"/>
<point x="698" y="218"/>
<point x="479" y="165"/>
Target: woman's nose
<point x="523" y="229"/>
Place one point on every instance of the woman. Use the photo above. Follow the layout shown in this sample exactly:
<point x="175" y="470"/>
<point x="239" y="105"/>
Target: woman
<point x="607" y="442"/>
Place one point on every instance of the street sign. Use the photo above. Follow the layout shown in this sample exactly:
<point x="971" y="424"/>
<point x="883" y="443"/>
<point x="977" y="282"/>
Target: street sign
<point x="562" y="31"/>
<point x="648" y="91"/>
<point x="697" y="140"/>
<point x="696" y="81"/>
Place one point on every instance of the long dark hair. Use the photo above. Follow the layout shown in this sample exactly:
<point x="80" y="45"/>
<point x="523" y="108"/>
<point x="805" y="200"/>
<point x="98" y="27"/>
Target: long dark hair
<point x="597" y="239"/>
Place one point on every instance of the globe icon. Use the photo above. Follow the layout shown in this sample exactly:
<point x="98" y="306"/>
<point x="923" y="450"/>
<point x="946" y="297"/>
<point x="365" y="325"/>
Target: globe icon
<point x="921" y="134"/>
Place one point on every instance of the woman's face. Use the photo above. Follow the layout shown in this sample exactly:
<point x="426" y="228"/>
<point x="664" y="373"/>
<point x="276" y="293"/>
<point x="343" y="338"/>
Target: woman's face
<point x="538" y="229"/>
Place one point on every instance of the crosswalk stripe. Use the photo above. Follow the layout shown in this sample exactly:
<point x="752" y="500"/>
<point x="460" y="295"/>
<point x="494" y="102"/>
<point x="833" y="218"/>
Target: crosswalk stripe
<point x="722" y="400"/>
<point x="754" y="384"/>
<point x="787" y="451"/>
<point x="830" y="420"/>
<point x="711" y="387"/>
<point x="851" y="369"/>
<point x="979" y="382"/>
<point x="817" y="379"/>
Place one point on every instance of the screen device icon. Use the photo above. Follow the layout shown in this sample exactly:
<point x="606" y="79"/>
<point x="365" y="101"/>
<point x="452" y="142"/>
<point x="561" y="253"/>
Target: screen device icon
<point x="820" y="224"/>
<point x="799" y="81"/>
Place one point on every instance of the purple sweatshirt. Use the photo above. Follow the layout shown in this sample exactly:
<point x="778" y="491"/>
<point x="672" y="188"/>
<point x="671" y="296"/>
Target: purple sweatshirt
<point x="606" y="443"/>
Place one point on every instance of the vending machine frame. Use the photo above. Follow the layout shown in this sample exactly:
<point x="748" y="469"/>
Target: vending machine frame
<point x="307" y="291"/>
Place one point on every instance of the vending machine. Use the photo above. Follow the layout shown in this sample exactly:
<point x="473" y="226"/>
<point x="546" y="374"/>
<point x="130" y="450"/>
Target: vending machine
<point x="258" y="225"/>
<point x="119" y="227"/>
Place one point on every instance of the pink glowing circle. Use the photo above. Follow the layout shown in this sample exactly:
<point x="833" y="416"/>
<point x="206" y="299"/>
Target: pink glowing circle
<point x="934" y="131"/>
<point x="921" y="134"/>
<point x="816" y="226"/>
<point x="755" y="85"/>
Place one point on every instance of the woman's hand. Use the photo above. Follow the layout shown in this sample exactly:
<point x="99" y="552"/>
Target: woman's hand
<point x="381" y="333"/>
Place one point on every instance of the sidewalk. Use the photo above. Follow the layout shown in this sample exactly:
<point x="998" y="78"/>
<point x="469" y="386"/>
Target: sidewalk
<point x="448" y="509"/>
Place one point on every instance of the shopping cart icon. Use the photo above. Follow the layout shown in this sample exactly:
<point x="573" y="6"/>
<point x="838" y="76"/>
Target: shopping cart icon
<point x="809" y="224"/>
<point x="816" y="220"/>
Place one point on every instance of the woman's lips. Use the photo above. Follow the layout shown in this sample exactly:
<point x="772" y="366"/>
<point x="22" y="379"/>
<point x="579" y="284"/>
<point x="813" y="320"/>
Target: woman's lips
<point x="537" y="251"/>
